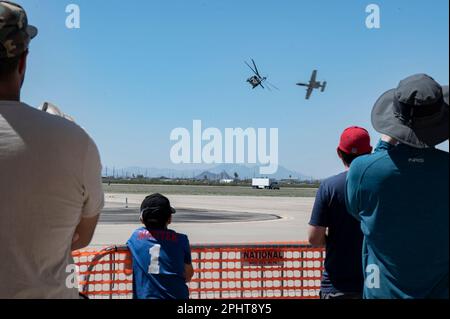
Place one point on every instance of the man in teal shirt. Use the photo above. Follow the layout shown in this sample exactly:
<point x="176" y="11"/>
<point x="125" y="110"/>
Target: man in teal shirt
<point x="400" y="194"/>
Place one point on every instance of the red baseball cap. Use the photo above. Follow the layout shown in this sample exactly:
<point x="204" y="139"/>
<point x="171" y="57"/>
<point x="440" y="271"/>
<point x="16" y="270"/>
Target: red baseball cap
<point x="355" y="141"/>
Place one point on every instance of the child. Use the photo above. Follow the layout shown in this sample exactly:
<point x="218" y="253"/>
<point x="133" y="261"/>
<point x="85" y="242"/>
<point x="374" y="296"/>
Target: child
<point x="161" y="258"/>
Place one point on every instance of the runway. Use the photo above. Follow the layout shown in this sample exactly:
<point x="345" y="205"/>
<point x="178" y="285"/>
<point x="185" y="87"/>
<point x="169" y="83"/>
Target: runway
<point x="212" y="219"/>
<point x="117" y="216"/>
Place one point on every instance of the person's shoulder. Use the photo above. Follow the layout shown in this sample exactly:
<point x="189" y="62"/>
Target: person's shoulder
<point x="180" y="236"/>
<point x="366" y="165"/>
<point x="335" y="178"/>
<point x="137" y="236"/>
<point x="362" y="163"/>
<point x="54" y="125"/>
<point x="441" y="153"/>
<point x="333" y="181"/>
<point x="139" y="233"/>
<point x="439" y="160"/>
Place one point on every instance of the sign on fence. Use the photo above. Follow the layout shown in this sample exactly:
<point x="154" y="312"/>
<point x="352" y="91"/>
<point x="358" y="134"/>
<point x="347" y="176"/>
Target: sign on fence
<point x="262" y="257"/>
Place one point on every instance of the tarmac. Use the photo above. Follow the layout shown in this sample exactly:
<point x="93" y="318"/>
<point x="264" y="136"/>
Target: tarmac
<point x="119" y="216"/>
<point x="212" y="219"/>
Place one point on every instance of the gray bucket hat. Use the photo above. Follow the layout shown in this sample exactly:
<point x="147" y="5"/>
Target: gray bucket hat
<point x="416" y="113"/>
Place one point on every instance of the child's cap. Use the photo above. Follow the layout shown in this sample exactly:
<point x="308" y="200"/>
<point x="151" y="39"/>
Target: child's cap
<point x="155" y="207"/>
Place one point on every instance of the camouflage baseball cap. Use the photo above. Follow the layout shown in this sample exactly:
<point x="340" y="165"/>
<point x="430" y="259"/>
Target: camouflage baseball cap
<point x="15" y="33"/>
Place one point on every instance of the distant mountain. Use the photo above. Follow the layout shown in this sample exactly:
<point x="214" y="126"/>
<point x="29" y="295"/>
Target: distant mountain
<point x="247" y="172"/>
<point x="212" y="176"/>
<point x="152" y="172"/>
<point x="223" y="171"/>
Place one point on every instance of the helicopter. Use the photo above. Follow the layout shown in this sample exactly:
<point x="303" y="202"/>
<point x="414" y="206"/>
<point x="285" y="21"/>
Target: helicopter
<point x="258" y="80"/>
<point x="313" y="84"/>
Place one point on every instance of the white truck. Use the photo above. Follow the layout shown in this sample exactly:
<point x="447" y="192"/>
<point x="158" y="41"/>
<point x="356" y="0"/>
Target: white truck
<point x="264" y="183"/>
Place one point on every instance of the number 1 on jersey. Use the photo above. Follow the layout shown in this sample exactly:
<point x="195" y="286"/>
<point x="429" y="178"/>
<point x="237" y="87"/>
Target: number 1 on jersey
<point x="153" y="268"/>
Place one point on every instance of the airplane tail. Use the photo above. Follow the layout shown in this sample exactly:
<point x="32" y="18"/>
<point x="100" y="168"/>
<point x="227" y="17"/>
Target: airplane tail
<point x="324" y="86"/>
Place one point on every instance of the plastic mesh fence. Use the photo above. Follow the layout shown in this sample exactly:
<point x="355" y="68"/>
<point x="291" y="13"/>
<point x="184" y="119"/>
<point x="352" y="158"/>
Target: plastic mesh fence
<point x="269" y="270"/>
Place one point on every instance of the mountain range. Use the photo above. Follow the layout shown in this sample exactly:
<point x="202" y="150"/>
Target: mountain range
<point x="223" y="171"/>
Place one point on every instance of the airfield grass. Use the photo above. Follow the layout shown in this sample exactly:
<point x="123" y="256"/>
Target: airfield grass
<point x="207" y="190"/>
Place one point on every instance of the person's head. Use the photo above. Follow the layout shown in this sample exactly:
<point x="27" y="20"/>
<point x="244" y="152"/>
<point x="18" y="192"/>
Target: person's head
<point x="416" y="113"/>
<point x="354" y="142"/>
<point x="15" y="37"/>
<point x="156" y="212"/>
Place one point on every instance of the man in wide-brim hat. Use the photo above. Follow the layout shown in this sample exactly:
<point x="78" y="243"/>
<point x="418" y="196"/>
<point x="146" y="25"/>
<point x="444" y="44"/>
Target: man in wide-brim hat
<point x="400" y="194"/>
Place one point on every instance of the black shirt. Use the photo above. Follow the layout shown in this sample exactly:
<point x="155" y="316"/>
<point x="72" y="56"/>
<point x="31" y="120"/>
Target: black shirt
<point x="343" y="262"/>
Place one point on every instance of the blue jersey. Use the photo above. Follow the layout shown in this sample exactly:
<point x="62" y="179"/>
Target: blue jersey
<point x="159" y="259"/>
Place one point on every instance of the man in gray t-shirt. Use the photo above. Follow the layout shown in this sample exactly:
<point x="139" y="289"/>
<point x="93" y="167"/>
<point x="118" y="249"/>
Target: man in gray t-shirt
<point x="50" y="180"/>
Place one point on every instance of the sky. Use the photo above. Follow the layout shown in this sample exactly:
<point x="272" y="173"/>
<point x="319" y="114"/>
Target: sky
<point x="136" y="70"/>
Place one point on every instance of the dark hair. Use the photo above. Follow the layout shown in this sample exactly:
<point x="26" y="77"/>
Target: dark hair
<point x="156" y="211"/>
<point x="348" y="158"/>
<point x="8" y="66"/>
<point x="160" y="223"/>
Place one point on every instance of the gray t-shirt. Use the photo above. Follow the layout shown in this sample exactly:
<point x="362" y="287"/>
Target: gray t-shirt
<point x="50" y="178"/>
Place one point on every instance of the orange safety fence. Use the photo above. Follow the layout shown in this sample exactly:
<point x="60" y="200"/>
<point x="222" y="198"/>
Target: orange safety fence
<point x="269" y="270"/>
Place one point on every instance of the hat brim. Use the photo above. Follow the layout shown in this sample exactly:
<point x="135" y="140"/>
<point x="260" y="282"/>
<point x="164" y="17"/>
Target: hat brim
<point x="32" y="31"/>
<point x="173" y="210"/>
<point x="429" y="132"/>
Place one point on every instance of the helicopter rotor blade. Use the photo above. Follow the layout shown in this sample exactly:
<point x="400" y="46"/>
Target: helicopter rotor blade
<point x="273" y="86"/>
<point x="269" y="84"/>
<point x="256" y="68"/>
<point x="251" y="68"/>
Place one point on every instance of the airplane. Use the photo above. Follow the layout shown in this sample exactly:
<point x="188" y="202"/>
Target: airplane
<point x="258" y="80"/>
<point x="313" y="84"/>
<point x="54" y="110"/>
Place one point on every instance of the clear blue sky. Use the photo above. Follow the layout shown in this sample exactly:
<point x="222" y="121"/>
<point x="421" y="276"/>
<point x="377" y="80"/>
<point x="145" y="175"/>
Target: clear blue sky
<point x="138" y="69"/>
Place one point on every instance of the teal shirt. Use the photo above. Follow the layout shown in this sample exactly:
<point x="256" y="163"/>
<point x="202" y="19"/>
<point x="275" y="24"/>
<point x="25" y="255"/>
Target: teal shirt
<point x="400" y="196"/>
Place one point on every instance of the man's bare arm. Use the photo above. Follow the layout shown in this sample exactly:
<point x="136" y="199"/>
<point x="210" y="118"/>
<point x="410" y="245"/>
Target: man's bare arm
<point x="317" y="236"/>
<point x="84" y="232"/>
<point x="188" y="272"/>
<point x="388" y="139"/>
